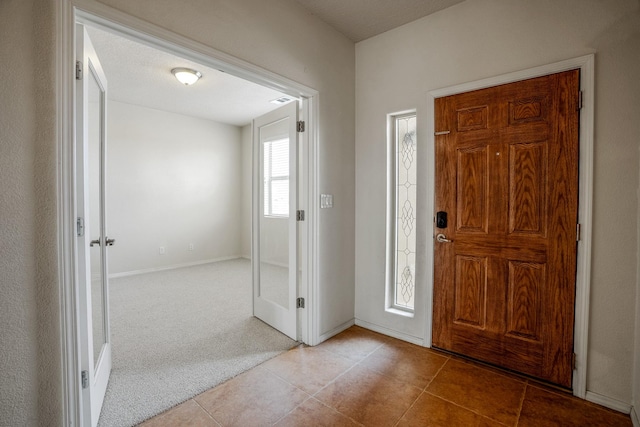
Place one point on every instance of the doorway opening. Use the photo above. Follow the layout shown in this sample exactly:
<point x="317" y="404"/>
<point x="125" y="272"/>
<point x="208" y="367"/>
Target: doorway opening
<point x="162" y="41"/>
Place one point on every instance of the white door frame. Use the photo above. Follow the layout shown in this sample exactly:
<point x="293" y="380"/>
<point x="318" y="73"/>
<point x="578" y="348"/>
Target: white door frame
<point x="100" y="15"/>
<point x="585" y="196"/>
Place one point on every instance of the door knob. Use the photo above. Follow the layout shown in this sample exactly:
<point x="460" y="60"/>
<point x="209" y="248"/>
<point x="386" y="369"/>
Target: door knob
<point x="443" y="239"/>
<point x="94" y="242"/>
<point x="110" y="242"/>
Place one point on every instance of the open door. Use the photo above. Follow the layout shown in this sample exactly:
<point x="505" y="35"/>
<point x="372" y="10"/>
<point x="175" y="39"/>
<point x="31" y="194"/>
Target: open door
<point x="274" y="239"/>
<point x="91" y="145"/>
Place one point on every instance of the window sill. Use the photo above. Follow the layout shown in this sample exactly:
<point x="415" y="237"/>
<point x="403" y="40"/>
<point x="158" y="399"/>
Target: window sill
<point x="399" y="312"/>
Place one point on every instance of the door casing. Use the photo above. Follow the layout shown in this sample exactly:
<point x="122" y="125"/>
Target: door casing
<point x="585" y="197"/>
<point x="68" y="12"/>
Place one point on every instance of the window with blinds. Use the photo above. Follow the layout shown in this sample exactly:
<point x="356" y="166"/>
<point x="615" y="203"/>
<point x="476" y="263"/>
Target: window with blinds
<point x="276" y="177"/>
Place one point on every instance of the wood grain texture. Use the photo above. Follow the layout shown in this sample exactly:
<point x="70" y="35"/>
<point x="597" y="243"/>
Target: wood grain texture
<point x="470" y="291"/>
<point x="528" y="188"/>
<point x="472" y="190"/>
<point x="504" y="289"/>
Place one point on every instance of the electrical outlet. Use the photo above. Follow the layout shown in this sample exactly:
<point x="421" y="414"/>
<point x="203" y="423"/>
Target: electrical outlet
<point x="161" y="251"/>
<point x="190" y="246"/>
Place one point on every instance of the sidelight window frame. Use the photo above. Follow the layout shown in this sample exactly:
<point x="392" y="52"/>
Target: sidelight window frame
<point x="395" y="215"/>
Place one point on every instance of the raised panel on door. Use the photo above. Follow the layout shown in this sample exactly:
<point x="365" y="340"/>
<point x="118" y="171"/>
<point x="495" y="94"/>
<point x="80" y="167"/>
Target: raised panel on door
<point x="528" y="188"/>
<point x="506" y="172"/>
<point x="470" y="291"/>
<point x="472" y="190"/>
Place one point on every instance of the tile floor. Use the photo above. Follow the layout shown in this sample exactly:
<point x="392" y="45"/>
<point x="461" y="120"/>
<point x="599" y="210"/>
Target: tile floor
<point x="361" y="378"/>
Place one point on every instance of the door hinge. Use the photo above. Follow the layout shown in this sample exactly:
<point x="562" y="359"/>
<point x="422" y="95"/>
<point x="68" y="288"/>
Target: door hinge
<point x="80" y="227"/>
<point x="85" y="379"/>
<point x="578" y="230"/>
<point x="300" y="126"/>
<point x="580" y="100"/>
<point x="299" y="302"/>
<point x="299" y="215"/>
<point x="78" y="70"/>
<point x="573" y="362"/>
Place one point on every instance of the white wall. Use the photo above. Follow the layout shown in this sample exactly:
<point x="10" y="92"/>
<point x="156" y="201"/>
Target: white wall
<point x="278" y="35"/>
<point x="484" y="38"/>
<point x="173" y="181"/>
<point x="18" y="310"/>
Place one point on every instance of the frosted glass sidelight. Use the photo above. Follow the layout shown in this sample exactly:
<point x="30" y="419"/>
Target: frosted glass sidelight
<point x="405" y="211"/>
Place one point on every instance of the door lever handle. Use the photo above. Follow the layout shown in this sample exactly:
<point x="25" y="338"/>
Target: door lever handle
<point x="109" y="242"/>
<point x="443" y="239"/>
<point x="94" y="242"/>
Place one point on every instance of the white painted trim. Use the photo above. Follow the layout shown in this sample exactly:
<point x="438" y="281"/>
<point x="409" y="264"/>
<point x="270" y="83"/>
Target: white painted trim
<point x="585" y="197"/>
<point x="312" y="113"/>
<point x="172" y="267"/>
<point x="608" y="402"/>
<point x="391" y="239"/>
<point x="110" y="19"/>
<point x="66" y="213"/>
<point x="335" y="331"/>
<point x="635" y="418"/>
<point x="390" y="332"/>
<point x="100" y="15"/>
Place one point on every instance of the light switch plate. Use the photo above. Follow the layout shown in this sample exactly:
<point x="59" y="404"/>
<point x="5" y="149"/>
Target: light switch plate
<point x="326" y="201"/>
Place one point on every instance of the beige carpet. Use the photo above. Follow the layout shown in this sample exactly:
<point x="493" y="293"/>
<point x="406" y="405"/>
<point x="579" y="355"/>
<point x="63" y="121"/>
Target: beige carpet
<point x="178" y="333"/>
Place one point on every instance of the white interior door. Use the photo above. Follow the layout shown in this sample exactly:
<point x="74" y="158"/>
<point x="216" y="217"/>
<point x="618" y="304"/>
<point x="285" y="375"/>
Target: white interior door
<point x="91" y="145"/>
<point x="274" y="237"/>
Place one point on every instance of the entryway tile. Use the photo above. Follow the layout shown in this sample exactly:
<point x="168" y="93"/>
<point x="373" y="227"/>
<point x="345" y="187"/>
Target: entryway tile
<point x="368" y="397"/>
<point x="406" y="362"/>
<point x="355" y="343"/>
<point x="314" y="413"/>
<point x="432" y="411"/>
<point x="308" y="368"/>
<point x="480" y="390"/>
<point x="187" y="414"/>
<point x="255" y="398"/>
<point x="545" y="408"/>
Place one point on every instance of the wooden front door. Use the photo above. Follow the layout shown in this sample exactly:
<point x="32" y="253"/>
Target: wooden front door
<point x="505" y="263"/>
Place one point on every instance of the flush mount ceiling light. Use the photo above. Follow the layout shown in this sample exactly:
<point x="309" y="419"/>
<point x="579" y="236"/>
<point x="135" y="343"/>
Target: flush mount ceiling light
<point x="186" y="76"/>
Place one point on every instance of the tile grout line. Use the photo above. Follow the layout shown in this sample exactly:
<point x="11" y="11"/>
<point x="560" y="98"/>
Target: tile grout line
<point x="466" y="409"/>
<point x="313" y="396"/>
<point x="437" y="373"/>
<point x="358" y="362"/>
<point x="409" y="408"/>
<point x="293" y="409"/>
<point x="524" y="395"/>
<point x="206" y="412"/>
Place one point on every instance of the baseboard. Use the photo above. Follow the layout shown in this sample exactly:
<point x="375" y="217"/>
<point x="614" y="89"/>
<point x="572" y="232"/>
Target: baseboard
<point x="608" y="402"/>
<point x="276" y="264"/>
<point x="390" y="332"/>
<point x="635" y="418"/>
<point x="335" y="331"/>
<point x="171" y="267"/>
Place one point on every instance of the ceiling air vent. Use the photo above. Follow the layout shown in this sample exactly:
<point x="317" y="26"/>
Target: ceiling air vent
<point x="281" y="100"/>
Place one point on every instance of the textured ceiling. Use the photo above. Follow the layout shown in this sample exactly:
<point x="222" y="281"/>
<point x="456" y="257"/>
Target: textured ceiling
<point x="361" y="19"/>
<point x="141" y="75"/>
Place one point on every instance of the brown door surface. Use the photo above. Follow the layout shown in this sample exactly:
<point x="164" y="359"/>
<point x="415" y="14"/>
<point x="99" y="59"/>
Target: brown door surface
<point x="507" y="176"/>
